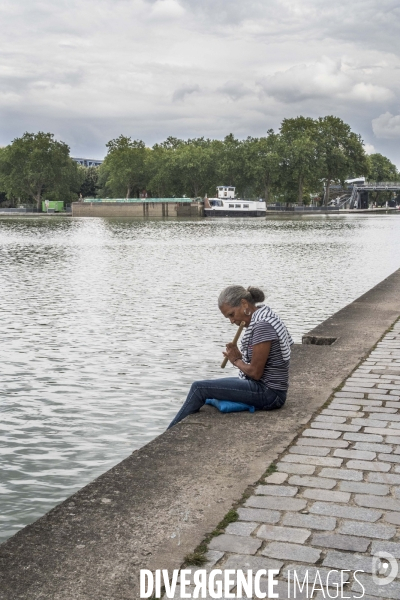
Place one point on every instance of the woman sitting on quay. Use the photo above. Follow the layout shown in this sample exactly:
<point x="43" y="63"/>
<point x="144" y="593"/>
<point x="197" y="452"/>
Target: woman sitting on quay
<point x="263" y="361"/>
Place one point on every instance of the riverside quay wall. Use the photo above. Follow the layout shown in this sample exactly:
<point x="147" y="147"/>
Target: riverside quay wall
<point x="147" y="208"/>
<point x="156" y="506"/>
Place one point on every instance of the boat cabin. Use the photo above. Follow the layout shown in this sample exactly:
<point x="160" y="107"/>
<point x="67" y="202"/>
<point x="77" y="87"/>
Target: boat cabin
<point x="224" y="191"/>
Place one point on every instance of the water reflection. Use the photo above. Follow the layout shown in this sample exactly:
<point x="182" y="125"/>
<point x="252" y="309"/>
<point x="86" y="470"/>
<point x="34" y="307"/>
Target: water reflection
<point x="105" y="323"/>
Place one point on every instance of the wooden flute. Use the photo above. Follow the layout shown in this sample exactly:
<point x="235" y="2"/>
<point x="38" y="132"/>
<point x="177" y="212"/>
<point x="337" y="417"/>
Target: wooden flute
<point x="235" y="340"/>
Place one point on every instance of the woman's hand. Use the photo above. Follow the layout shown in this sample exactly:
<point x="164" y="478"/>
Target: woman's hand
<point x="232" y="352"/>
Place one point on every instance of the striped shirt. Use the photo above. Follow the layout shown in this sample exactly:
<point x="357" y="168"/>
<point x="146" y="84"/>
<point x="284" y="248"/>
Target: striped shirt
<point x="267" y="327"/>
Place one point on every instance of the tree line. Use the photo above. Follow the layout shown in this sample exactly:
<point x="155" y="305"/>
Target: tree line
<point x="302" y="159"/>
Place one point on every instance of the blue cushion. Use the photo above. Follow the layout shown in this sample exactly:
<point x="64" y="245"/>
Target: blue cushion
<point x="226" y="406"/>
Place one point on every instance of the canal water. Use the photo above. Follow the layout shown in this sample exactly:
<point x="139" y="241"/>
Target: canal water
<point x="105" y="323"/>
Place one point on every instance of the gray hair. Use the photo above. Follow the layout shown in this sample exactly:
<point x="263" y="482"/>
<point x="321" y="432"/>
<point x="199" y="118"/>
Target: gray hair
<point x="234" y="294"/>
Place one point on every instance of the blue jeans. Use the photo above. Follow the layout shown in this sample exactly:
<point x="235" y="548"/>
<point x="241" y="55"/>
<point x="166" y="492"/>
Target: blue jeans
<point x="234" y="389"/>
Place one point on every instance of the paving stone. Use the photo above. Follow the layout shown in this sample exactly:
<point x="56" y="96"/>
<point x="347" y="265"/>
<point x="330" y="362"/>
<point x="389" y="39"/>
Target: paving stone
<point x="314" y="482"/>
<point x="273" y="503"/>
<point x="342" y="413"/>
<point x="378" y="397"/>
<point x="343" y="561"/>
<point x="385" y="417"/>
<point x="348" y="395"/>
<point x="391" y="590"/>
<point x="390" y="439"/>
<point x="394" y="426"/>
<point x="383" y="532"/>
<point x="385" y="448"/>
<point x="321" y="433"/>
<point x="377" y="502"/>
<point x="368" y="466"/>
<point x="377" y="430"/>
<point x="326" y="495"/>
<point x="309" y="521"/>
<point x="357" y="403"/>
<point x="393" y="458"/>
<point x="295" y="468"/>
<point x="235" y="543"/>
<point x="283" y="534"/>
<point x="389" y="386"/>
<point x="364" y="488"/>
<point x="356" y="389"/>
<point x="329" y="443"/>
<point x="340" y="542"/>
<point x="336" y="427"/>
<point x="259" y="515"/>
<point x="393" y="518"/>
<point x="392" y="547"/>
<point x="381" y="409"/>
<point x="393" y="405"/>
<point x="386" y="478"/>
<point x="282" y="592"/>
<point x="276" y="490"/>
<point x="356" y="406"/>
<point x="241" y="528"/>
<point x="291" y="552"/>
<point x="277" y="478"/>
<point x="313" y="460"/>
<point x="341" y="474"/>
<point x="347" y="512"/>
<point x="357" y="454"/>
<point x="213" y="556"/>
<point x="369" y="422"/>
<point x="245" y="561"/>
<point x="362" y="382"/>
<point x="366" y="375"/>
<point x="309" y="450"/>
<point x="313" y="572"/>
<point x="362" y="437"/>
<point x="330" y="419"/>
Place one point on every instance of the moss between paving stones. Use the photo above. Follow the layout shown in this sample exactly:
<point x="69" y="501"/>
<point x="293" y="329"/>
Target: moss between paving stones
<point x="198" y="557"/>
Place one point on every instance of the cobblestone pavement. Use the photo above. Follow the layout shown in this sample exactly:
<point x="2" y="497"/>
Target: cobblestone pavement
<point x="334" y="501"/>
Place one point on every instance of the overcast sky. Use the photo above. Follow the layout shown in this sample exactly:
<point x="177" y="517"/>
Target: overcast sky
<point x="90" y="70"/>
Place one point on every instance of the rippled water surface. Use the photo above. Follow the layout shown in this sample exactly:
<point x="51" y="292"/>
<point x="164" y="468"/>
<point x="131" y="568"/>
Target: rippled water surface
<point x="105" y="323"/>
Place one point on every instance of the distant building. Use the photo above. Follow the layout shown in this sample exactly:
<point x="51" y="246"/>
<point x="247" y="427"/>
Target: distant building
<point x="87" y="162"/>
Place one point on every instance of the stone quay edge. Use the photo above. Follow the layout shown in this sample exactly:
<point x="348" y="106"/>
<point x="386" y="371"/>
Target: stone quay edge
<point x="157" y="505"/>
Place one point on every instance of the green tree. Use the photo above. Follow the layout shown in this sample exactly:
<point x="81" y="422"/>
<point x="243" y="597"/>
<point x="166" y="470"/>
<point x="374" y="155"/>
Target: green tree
<point x="193" y="166"/>
<point x="123" y="172"/>
<point x="159" y="171"/>
<point x="381" y="168"/>
<point x="229" y="161"/>
<point x="182" y="168"/>
<point x="37" y="163"/>
<point x="90" y="181"/>
<point x="341" y="151"/>
<point x="262" y="163"/>
<point x="299" y="159"/>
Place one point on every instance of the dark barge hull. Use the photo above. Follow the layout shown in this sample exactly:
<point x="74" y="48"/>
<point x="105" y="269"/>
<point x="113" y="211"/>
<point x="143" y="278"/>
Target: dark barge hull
<point x="234" y="213"/>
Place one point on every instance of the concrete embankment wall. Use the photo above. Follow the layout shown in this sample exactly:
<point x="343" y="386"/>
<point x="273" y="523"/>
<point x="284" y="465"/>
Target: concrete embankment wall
<point x="137" y="209"/>
<point x="154" y="507"/>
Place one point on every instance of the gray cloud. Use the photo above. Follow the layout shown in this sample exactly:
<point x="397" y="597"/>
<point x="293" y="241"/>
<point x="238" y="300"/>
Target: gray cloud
<point x="89" y="71"/>
<point x="324" y="79"/>
<point x="185" y="90"/>
<point x="234" y="90"/>
<point x="387" y="126"/>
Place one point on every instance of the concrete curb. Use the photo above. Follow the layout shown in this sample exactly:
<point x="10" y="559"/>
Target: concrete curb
<point x="157" y="505"/>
